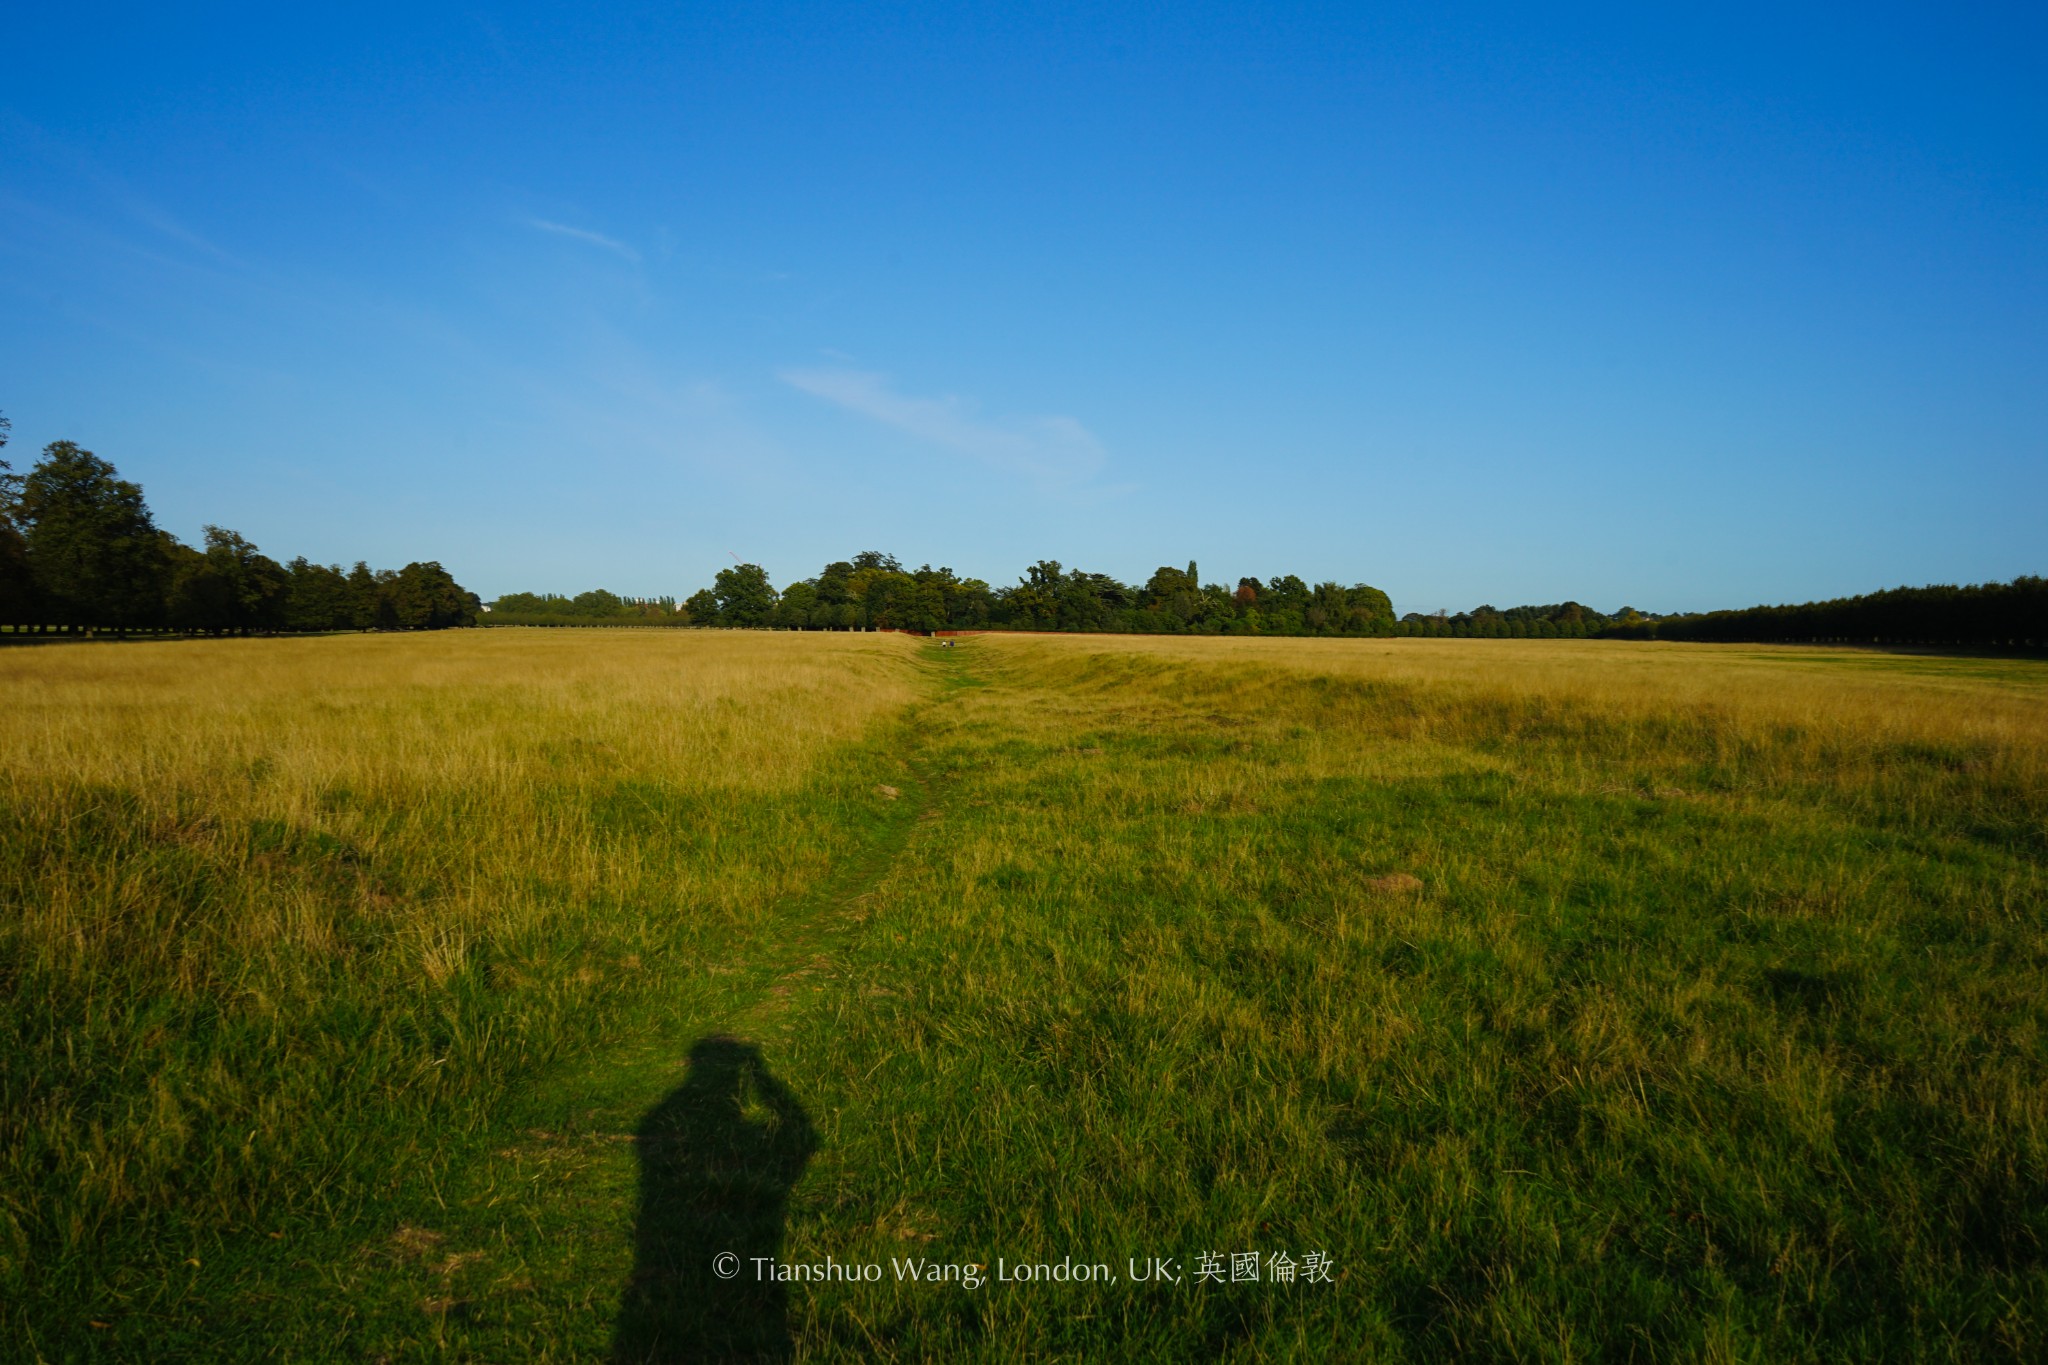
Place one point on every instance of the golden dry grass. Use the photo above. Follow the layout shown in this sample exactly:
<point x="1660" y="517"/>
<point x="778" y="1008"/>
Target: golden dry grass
<point x="1865" y="695"/>
<point x="256" y="892"/>
<point x="1861" y="723"/>
<point x="469" y="754"/>
<point x="469" y="709"/>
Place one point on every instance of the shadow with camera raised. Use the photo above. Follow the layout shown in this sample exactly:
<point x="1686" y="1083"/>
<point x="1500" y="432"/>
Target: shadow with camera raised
<point x="718" y="1157"/>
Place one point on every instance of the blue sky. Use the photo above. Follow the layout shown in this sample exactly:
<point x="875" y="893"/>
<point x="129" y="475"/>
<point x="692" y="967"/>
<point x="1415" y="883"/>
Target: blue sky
<point x="1518" y="304"/>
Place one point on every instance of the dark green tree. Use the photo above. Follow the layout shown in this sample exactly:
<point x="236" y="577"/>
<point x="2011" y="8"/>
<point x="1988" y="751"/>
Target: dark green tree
<point x="1369" y="611"/>
<point x="1090" y="601"/>
<point x="799" y="602"/>
<point x="745" y="596"/>
<point x="1034" y="604"/>
<point x="1176" y="594"/>
<point x="365" y="598"/>
<point x="425" y="596"/>
<point x="17" y="583"/>
<point x="596" y="603"/>
<point x="230" y="588"/>
<point x="317" y="597"/>
<point x="93" y="551"/>
<point x="702" y="607"/>
<point x="531" y="604"/>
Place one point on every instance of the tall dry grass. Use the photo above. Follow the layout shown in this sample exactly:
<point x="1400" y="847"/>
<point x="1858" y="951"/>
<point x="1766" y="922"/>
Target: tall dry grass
<point x="267" y="905"/>
<point x="1918" y="737"/>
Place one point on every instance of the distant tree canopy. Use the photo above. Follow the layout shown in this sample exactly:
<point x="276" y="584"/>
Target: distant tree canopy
<point x="79" y="551"/>
<point x="594" y="608"/>
<point x="874" y="591"/>
<point x="2004" y="614"/>
<point x="1558" y="621"/>
<point x="229" y="589"/>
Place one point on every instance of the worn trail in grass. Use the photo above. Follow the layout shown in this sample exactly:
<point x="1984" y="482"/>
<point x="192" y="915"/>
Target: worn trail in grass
<point x="309" y="942"/>
<point x="586" y="1225"/>
<point x="1604" y="1004"/>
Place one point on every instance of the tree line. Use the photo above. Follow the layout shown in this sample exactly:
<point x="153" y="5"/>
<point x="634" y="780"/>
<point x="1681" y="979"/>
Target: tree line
<point x="80" y="552"/>
<point x="594" y="608"/>
<point x="1998" y="614"/>
<point x="875" y="591"/>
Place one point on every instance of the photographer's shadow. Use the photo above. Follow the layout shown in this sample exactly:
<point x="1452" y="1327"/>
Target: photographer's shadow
<point x="718" y="1157"/>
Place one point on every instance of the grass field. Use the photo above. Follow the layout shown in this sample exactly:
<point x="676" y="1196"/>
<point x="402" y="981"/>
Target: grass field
<point x="461" y="996"/>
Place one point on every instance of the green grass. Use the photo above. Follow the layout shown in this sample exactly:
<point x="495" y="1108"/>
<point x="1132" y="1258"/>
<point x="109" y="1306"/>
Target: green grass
<point x="1646" y="1068"/>
<point x="1714" y="1028"/>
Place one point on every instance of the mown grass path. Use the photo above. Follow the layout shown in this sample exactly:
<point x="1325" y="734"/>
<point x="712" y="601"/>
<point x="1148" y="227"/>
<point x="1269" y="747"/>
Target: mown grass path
<point x="529" y="1252"/>
<point x="1594" y="1005"/>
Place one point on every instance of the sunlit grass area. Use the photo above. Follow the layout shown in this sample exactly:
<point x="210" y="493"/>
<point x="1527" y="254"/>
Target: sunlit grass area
<point x="1578" y="1000"/>
<point x="463" y="996"/>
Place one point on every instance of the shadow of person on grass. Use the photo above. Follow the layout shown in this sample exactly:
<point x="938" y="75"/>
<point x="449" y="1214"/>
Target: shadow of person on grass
<point x="718" y="1157"/>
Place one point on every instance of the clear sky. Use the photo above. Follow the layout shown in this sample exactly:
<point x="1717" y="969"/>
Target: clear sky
<point x="1681" y="308"/>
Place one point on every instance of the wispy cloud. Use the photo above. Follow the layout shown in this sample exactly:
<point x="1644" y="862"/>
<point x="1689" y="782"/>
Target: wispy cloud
<point x="148" y="214"/>
<point x="33" y="140"/>
<point x="1056" y="452"/>
<point x="597" y="239"/>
